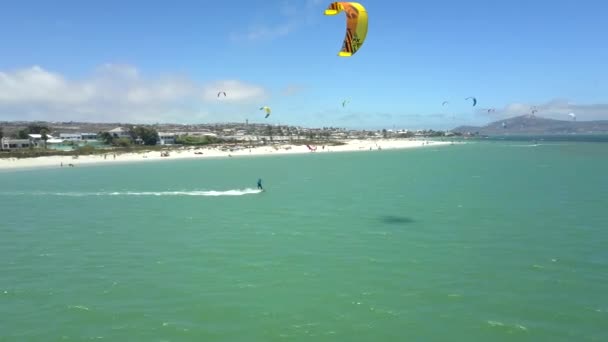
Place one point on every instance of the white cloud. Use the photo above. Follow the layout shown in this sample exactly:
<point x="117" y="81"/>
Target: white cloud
<point x="554" y="109"/>
<point x="294" y="13"/>
<point x="114" y="93"/>
<point x="17" y="87"/>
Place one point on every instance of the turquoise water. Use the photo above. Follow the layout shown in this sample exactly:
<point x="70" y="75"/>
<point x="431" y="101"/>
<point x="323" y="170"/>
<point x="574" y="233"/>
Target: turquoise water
<point x="477" y="242"/>
<point x="569" y="138"/>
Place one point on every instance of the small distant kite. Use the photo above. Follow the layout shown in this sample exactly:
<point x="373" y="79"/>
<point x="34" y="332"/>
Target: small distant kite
<point x="444" y="103"/>
<point x="220" y="93"/>
<point x="573" y="116"/>
<point x="356" y="25"/>
<point x="344" y="103"/>
<point x="534" y="110"/>
<point x="491" y="110"/>
<point x="474" y="100"/>
<point x="267" y="110"/>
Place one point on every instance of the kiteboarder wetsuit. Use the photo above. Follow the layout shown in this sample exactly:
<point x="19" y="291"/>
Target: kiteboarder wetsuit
<point x="260" y="184"/>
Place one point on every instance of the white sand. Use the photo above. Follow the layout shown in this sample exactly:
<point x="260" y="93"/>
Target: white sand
<point x="210" y="152"/>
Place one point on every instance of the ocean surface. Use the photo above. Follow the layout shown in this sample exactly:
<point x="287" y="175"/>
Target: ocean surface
<point x="487" y="241"/>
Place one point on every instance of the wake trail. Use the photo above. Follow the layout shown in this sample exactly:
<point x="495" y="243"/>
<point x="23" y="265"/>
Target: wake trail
<point x="207" y="193"/>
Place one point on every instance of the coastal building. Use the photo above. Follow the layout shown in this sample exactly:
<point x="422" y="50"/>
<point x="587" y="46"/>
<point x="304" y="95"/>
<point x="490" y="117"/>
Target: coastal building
<point x="88" y="136"/>
<point x="70" y="137"/>
<point x="55" y="143"/>
<point x="241" y="137"/>
<point x="119" y="132"/>
<point x="197" y="133"/>
<point x="36" y="139"/>
<point x="8" y="144"/>
<point x="77" y="136"/>
<point x="166" y="138"/>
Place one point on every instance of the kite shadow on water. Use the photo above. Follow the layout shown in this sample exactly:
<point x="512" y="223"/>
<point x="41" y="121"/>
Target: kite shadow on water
<point x="396" y="220"/>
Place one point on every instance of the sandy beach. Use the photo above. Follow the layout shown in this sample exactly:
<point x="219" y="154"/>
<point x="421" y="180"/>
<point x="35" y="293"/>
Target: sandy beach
<point x="212" y="152"/>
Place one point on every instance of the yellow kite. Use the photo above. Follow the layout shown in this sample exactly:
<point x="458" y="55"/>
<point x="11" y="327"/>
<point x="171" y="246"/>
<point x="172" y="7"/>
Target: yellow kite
<point x="356" y="25"/>
<point x="267" y="110"/>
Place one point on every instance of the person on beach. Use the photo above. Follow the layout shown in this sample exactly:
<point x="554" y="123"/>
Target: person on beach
<point x="260" y="184"/>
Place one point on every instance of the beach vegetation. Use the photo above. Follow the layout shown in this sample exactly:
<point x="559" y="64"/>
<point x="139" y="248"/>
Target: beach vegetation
<point x="122" y="142"/>
<point x="38" y="129"/>
<point x="148" y="135"/>
<point x="406" y="135"/>
<point x="318" y="142"/>
<point x="190" y="140"/>
<point x="432" y="134"/>
<point x="86" y="149"/>
<point x="82" y="150"/>
<point x="44" y="135"/>
<point x="34" y="128"/>
<point x="324" y="135"/>
<point x="106" y="137"/>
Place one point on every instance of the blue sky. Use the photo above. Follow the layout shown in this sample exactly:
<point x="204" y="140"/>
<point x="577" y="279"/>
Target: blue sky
<point x="161" y="61"/>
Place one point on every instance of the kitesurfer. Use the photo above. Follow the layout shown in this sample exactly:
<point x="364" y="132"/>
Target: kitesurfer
<point x="260" y="184"/>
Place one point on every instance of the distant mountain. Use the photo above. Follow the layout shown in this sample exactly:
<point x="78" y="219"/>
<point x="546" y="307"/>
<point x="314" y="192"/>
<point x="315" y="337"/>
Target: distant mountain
<point x="534" y="125"/>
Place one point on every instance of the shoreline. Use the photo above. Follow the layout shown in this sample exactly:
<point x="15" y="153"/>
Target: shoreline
<point x="192" y="152"/>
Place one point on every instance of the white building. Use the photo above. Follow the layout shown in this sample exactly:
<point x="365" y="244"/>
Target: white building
<point x="338" y="135"/>
<point x="197" y="134"/>
<point x="88" y="136"/>
<point x="77" y="136"/>
<point x="70" y="137"/>
<point x="166" y="138"/>
<point x="119" y="132"/>
<point x="8" y="144"/>
<point x="54" y="141"/>
<point x="241" y="137"/>
<point x="36" y="139"/>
